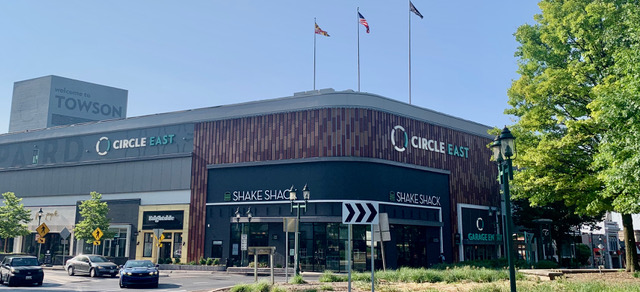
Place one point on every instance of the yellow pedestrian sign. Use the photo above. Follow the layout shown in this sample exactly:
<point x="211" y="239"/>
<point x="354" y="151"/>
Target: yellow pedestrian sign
<point x="159" y="244"/>
<point x="161" y="237"/>
<point x="43" y="229"/>
<point x="97" y="234"/>
<point x="96" y="242"/>
<point x="41" y="240"/>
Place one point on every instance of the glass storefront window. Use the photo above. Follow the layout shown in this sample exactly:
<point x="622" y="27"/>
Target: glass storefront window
<point x="148" y="245"/>
<point x="177" y="245"/>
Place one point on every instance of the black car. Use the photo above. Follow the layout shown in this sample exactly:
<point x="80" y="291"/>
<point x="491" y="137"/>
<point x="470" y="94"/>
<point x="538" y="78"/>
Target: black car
<point x="93" y="265"/>
<point x="139" y="272"/>
<point x="16" y="270"/>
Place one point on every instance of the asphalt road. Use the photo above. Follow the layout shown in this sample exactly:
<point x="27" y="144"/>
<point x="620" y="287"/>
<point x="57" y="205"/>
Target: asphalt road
<point x="58" y="280"/>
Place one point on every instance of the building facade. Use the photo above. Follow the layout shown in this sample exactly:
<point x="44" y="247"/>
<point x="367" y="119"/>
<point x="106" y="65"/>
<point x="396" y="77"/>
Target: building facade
<point x="217" y="180"/>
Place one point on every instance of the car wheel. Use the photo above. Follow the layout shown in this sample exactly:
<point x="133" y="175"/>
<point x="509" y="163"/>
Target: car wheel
<point x="122" y="286"/>
<point x="92" y="273"/>
<point x="1" y="281"/>
<point x="70" y="271"/>
<point x="9" y="282"/>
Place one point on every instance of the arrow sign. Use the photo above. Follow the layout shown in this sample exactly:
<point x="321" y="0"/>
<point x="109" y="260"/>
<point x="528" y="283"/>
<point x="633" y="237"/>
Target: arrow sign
<point x="360" y="213"/>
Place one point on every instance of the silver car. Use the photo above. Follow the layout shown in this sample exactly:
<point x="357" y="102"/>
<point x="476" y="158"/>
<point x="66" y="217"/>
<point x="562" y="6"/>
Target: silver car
<point x="92" y="265"/>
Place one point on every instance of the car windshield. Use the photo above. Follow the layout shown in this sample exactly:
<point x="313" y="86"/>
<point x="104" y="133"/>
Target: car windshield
<point x="98" y="259"/>
<point x="17" y="262"/>
<point x="139" y="264"/>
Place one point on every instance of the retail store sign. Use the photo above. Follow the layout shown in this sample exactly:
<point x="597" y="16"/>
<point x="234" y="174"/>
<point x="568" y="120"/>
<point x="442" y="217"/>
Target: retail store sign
<point x="414" y="198"/>
<point x="162" y="219"/>
<point x="401" y="142"/>
<point x="105" y="144"/>
<point x="256" y="195"/>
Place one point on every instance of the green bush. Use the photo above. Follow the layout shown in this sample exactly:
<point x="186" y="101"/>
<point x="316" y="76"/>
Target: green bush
<point x="256" y="287"/>
<point x="176" y="261"/>
<point x="544" y="264"/>
<point x="329" y="276"/>
<point x="297" y="279"/>
<point x="193" y="263"/>
<point x="216" y="261"/>
<point x="203" y="261"/>
<point x="636" y="274"/>
<point x="209" y="261"/>
<point x="241" y="288"/>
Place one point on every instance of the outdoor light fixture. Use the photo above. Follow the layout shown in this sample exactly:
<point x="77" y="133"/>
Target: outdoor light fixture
<point x="306" y="194"/>
<point x="504" y="151"/>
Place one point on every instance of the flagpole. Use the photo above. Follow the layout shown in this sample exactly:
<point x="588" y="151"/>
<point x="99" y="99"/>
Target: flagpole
<point x="358" y="24"/>
<point x="314" y="53"/>
<point x="409" y="11"/>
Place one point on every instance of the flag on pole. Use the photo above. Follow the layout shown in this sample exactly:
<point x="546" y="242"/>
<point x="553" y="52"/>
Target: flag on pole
<point x="414" y="10"/>
<point x="363" y="21"/>
<point x="320" y="31"/>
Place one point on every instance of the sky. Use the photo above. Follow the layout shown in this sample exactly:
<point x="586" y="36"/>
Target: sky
<point x="178" y="55"/>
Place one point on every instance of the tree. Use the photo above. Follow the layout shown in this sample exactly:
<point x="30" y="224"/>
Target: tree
<point x="94" y="215"/>
<point x="565" y="61"/>
<point x="618" y="110"/>
<point x="14" y="218"/>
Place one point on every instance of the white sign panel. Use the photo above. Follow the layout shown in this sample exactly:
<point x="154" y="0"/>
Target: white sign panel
<point x="243" y="242"/>
<point x="360" y="213"/>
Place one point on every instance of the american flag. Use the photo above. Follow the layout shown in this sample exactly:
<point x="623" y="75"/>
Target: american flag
<point x="363" y="21"/>
<point x="320" y="31"/>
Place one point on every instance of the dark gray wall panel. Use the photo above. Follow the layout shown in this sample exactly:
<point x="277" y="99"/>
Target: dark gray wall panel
<point x="121" y="177"/>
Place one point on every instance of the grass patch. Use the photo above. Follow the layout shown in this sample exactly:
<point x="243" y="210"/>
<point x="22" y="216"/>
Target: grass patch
<point x="326" y="287"/>
<point x="255" y="287"/>
<point x="329" y="276"/>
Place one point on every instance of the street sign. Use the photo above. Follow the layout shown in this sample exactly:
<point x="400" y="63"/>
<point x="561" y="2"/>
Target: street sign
<point x="43" y="229"/>
<point x="96" y="242"/>
<point x="383" y="228"/>
<point x="64" y="241"/>
<point x="64" y="233"/>
<point x="41" y="240"/>
<point x="360" y="213"/>
<point x="161" y="237"/>
<point x="243" y="243"/>
<point x="97" y="234"/>
<point x="158" y="232"/>
<point x="159" y="244"/>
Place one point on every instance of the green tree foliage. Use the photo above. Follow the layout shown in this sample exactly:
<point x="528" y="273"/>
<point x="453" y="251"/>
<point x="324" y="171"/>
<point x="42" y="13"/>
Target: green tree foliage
<point x="578" y="51"/>
<point x="94" y="215"/>
<point x="13" y="218"/>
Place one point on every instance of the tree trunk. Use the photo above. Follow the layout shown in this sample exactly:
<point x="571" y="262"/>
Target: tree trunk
<point x="5" y="245"/>
<point x="631" y="255"/>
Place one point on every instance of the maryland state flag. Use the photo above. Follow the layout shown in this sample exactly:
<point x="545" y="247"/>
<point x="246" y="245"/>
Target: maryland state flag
<point x="320" y="31"/>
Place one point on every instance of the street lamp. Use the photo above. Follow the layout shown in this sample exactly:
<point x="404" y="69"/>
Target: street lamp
<point x="504" y="150"/>
<point x="39" y="245"/>
<point x="306" y="193"/>
<point x="241" y="229"/>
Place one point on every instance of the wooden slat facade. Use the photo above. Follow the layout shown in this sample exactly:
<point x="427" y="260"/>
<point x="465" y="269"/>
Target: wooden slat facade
<point x="335" y="132"/>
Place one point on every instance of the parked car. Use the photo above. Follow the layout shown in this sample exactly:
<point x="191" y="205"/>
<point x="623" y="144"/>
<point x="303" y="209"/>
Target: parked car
<point x="16" y="270"/>
<point x="93" y="265"/>
<point x="139" y="272"/>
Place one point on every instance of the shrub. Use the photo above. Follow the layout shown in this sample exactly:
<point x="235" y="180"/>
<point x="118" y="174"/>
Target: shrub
<point x="326" y="287"/>
<point x="209" y="261"/>
<point x="203" y="261"/>
<point x="241" y="288"/>
<point x="544" y="264"/>
<point x="176" y="261"/>
<point x="297" y="279"/>
<point x="216" y="262"/>
<point x="256" y="287"/>
<point x="193" y="263"/>
<point x="278" y="289"/>
<point x="329" y="276"/>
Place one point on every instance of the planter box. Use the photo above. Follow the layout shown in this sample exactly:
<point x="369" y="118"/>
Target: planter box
<point x="191" y="268"/>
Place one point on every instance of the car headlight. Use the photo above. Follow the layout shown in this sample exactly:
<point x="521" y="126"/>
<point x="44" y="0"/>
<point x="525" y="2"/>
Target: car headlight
<point x="153" y="273"/>
<point x="100" y="267"/>
<point x="13" y="270"/>
<point x="128" y="273"/>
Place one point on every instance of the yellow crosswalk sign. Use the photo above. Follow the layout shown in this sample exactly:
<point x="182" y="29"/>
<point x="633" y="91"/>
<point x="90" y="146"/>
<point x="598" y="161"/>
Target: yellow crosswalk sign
<point x="43" y="229"/>
<point x="97" y="234"/>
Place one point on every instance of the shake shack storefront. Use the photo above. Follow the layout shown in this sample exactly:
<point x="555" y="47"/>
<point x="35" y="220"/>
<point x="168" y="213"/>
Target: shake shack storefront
<point x="415" y="200"/>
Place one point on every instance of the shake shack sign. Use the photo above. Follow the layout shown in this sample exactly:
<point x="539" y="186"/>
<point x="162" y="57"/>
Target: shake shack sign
<point x="163" y="219"/>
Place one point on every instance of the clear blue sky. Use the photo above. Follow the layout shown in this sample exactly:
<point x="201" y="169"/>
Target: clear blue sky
<point x="176" y="55"/>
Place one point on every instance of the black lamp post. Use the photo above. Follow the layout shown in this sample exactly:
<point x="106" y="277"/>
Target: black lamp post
<point x="39" y="245"/>
<point x="249" y="233"/>
<point x="504" y="150"/>
<point x="239" y="234"/>
<point x="306" y="193"/>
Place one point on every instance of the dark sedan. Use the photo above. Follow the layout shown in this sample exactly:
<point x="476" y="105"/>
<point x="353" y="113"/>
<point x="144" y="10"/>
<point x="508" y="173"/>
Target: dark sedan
<point x="93" y="265"/>
<point x="16" y="270"/>
<point x="139" y="272"/>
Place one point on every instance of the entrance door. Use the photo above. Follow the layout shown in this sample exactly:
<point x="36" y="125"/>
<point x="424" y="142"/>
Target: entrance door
<point x="165" y="250"/>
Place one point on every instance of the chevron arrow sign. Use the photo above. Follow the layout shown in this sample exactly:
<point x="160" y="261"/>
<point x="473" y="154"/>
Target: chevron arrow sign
<point x="360" y="213"/>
